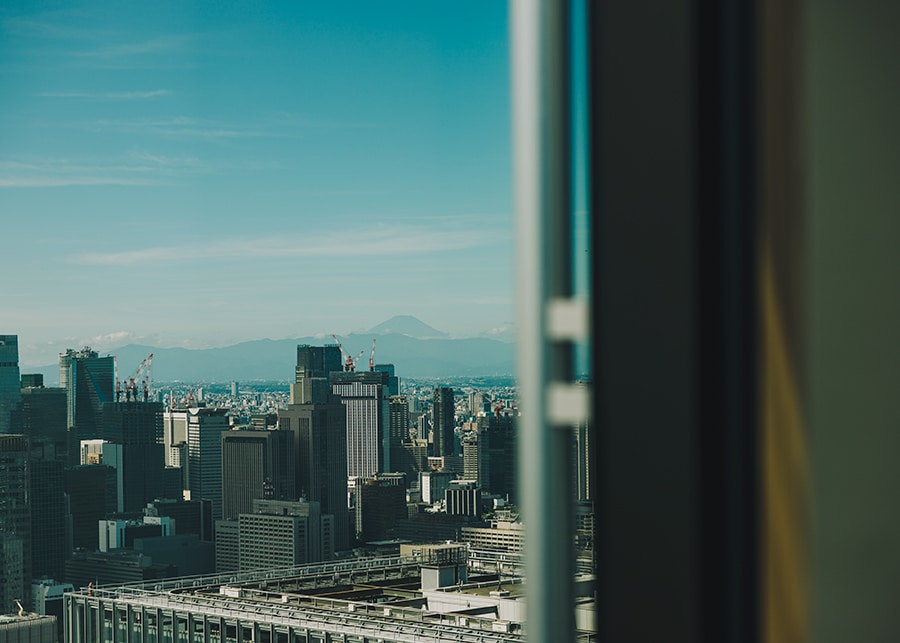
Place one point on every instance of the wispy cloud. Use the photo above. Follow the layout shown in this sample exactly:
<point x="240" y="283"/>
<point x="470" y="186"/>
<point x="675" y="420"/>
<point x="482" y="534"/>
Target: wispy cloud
<point x="61" y="172"/>
<point x="66" y="181"/>
<point x="161" y="161"/>
<point x="213" y="133"/>
<point x="381" y="242"/>
<point x="299" y="120"/>
<point x="116" y="338"/>
<point x="50" y="24"/>
<point x="115" y="96"/>
<point x="185" y="126"/>
<point x="153" y="46"/>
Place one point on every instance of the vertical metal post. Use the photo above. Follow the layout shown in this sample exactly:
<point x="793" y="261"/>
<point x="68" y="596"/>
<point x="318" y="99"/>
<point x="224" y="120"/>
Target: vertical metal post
<point x="547" y="318"/>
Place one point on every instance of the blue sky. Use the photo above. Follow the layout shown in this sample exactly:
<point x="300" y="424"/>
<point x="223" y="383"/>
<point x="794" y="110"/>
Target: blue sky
<point x="201" y="173"/>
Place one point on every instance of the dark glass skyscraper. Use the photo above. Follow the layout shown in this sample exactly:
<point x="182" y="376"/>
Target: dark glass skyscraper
<point x="92" y="495"/>
<point x="15" y="522"/>
<point x="317" y="361"/>
<point x="495" y="455"/>
<point x="49" y="513"/>
<point x="138" y="427"/>
<point x="88" y="381"/>
<point x="317" y="420"/>
<point x="399" y="420"/>
<point x="10" y="384"/>
<point x="444" y="421"/>
<point x="256" y="465"/>
<point x="44" y="416"/>
<point x="393" y="380"/>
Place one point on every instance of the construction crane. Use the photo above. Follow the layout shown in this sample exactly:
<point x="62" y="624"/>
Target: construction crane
<point x="349" y="362"/>
<point x="347" y="359"/>
<point x="118" y="383"/>
<point x="140" y="378"/>
<point x="372" y="356"/>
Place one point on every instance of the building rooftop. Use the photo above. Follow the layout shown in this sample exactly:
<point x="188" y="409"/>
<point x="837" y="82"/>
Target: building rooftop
<point x="381" y="598"/>
<point x="10" y="619"/>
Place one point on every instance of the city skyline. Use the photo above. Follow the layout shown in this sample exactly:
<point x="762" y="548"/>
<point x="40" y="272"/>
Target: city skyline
<point x="199" y="176"/>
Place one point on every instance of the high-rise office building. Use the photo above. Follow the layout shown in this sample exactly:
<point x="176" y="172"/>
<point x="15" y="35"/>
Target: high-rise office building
<point x="49" y="513"/>
<point x="444" y="413"/>
<point x="317" y="361"/>
<point x="479" y="403"/>
<point x="10" y="384"/>
<point x="320" y="448"/>
<point x="380" y="503"/>
<point x="433" y="484"/>
<point x="138" y="428"/>
<point x="88" y="381"/>
<point x="227" y="545"/>
<point x="470" y="455"/>
<point x="256" y="465"/>
<point x="190" y="516"/>
<point x="32" y="380"/>
<point x="172" y="483"/>
<point x="274" y="533"/>
<point x="109" y="454"/>
<point x="311" y="375"/>
<point x="365" y="396"/>
<point x="318" y="421"/>
<point x="280" y="533"/>
<point x="175" y="437"/>
<point x="410" y="458"/>
<point x="203" y="477"/>
<point x="118" y="532"/>
<point x="399" y="420"/>
<point x="92" y="496"/>
<point x="494" y="454"/>
<point x="15" y="522"/>
<point x="463" y="498"/>
<point x="114" y="568"/>
<point x="421" y="422"/>
<point x="393" y="381"/>
<point x="44" y="416"/>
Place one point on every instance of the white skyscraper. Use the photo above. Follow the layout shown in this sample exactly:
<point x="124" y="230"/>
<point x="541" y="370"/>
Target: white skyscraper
<point x="365" y="396"/>
<point x="203" y="477"/>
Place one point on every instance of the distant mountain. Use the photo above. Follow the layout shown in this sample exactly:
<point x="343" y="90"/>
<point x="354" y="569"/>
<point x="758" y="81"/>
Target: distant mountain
<point x="406" y="325"/>
<point x="268" y="359"/>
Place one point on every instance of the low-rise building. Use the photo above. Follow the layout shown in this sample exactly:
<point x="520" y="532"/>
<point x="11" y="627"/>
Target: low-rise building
<point x="428" y="594"/>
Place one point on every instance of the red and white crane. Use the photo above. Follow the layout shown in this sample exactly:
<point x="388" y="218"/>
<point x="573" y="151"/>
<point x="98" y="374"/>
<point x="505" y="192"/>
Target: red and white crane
<point x="141" y="377"/>
<point x="349" y="362"/>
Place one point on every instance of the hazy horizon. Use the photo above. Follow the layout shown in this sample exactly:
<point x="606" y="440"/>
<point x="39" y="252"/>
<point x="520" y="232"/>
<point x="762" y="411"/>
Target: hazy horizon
<point x="47" y="354"/>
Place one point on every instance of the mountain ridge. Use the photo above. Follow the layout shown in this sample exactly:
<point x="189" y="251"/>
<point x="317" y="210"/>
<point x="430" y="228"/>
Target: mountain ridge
<point x="275" y="359"/>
